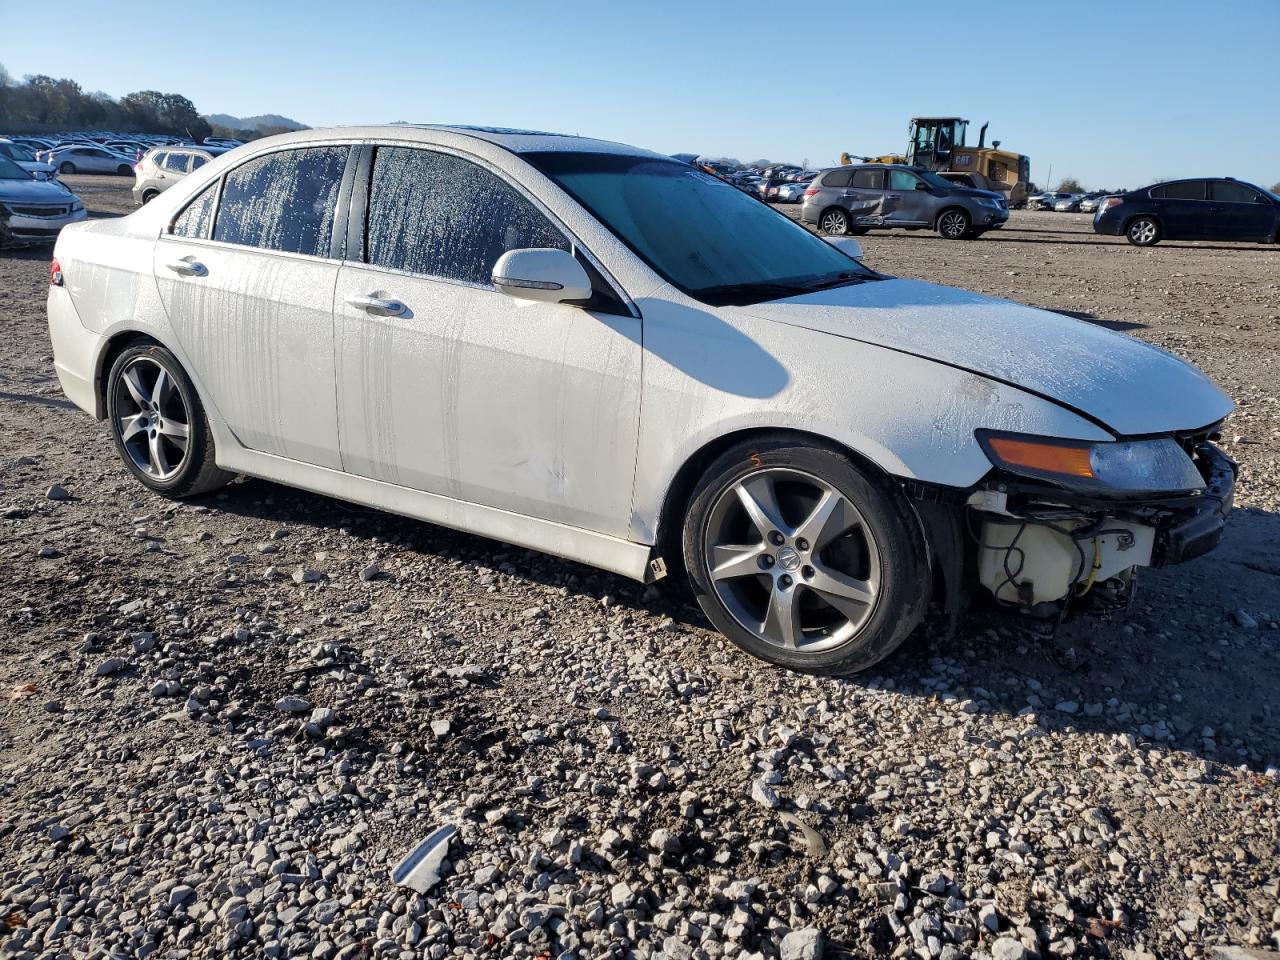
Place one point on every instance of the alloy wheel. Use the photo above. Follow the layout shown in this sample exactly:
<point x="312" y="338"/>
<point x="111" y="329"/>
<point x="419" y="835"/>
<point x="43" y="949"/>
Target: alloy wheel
<point x="152" y="419"/>
<point x="792" y="560"/>
<point x="1142" y="232"/>
<point x="954" y="224"/>
<point x="834" y="222"/>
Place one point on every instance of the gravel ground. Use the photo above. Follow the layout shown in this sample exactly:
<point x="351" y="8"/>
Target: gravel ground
<point x="223" y="722"/>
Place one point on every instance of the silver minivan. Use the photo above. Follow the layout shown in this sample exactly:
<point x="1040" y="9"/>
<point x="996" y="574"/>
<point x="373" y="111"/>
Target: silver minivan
<point x="855" y="199"/>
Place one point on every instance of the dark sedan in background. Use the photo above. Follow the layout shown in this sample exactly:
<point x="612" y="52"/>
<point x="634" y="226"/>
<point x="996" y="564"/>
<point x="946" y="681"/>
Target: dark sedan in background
<point x="1205" y="209"/>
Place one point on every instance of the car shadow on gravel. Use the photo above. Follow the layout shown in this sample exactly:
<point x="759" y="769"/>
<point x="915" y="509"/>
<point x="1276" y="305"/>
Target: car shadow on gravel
<point x="1182" y="668"/>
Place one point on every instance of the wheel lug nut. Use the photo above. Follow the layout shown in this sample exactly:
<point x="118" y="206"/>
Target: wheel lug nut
<point x="766" y="561"/>
<point x="785" y="581"/>
<point x="802" y="544"/>
<point x="807" y="572"/>
<point x="776" y="538"/>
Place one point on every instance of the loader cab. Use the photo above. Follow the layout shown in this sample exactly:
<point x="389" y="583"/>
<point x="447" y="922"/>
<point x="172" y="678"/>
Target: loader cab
<point x="934" y="140"/>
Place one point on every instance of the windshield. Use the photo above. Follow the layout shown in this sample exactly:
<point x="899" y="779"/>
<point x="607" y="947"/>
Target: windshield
<point x="11" y="171"/>
<point x="15" y="152"/>
<point x="705" y="237"/>
<point x="933" y="180"/>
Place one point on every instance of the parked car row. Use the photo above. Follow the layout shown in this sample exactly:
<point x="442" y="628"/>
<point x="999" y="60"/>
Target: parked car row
<point x="78" y="152"/>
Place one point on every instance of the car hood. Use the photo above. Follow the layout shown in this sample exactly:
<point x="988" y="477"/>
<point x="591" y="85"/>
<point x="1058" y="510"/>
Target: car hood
<point x="34" y="191"/>
<point x="1127" y="385"/>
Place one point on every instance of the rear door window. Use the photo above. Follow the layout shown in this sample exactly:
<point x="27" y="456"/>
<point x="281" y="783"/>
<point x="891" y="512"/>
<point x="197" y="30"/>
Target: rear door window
<point x="441" y="216"/>
<point x="283" y="201"/>
<point x="1224" y="191"/>
<point x="1184" y="190"/>
<point x="177" y="162"/>
<point x="868" y="180"/>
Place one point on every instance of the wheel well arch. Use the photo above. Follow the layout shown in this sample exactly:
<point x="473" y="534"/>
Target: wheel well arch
<point x="834" y="208"/>
<point x="680" y="491"/>
<point x="115" y="346"/>
<point x="1128" y="221"/>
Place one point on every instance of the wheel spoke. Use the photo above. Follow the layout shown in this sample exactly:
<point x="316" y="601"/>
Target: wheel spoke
<point x="177" y="432"/>
<point x="162" y="389"/>
<point x="782" y="619"/>
<point x="736" y="560"/>
<point x="761" y="503"/>
<point x="851" y="597"/>
<point x="130" y="427"/>
<point x="133" y="383"/>
<point x="828" y="519"/>
<point x="159" y="461"/>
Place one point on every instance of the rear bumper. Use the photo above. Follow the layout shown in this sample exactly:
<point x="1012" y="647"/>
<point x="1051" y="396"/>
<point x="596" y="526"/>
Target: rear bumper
<point x="75" y="352"/>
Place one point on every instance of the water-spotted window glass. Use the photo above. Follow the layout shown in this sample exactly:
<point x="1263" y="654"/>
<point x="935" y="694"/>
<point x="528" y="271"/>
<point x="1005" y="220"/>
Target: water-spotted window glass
<point x="194" y="221"/>
<point x="442" y="216"/>
<point x="283" y="201"/>
<point x="177" y="162"/>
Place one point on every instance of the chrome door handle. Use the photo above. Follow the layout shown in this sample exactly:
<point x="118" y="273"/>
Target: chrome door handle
<point x="378" y="305"/>
<point x="187" y="268"/>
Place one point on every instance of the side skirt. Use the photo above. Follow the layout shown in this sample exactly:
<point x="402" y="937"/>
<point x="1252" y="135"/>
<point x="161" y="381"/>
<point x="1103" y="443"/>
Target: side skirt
<point x="573" y="543"/>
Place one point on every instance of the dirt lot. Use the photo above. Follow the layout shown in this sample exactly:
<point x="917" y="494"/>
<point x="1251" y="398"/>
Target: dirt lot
<point x="624" y="782"/>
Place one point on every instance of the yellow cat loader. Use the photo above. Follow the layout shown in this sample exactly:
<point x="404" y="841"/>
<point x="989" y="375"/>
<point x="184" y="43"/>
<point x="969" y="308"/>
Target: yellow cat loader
<point x="938" y="144"/>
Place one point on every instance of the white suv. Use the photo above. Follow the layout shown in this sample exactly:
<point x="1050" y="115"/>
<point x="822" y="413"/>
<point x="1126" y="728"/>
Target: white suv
<point x="606" y="354"/>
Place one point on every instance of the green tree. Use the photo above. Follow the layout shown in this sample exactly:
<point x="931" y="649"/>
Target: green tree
<point x="1070" y="185"/>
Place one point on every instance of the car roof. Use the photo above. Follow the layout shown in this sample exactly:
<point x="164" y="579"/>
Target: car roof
<point x="511" y="140"/>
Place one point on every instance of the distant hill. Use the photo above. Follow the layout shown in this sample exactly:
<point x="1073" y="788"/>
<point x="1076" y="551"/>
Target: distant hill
<point x="266" y="121"/>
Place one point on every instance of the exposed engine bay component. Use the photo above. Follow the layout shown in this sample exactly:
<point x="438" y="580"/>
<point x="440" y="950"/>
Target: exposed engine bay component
<point x="1025" y="562"/>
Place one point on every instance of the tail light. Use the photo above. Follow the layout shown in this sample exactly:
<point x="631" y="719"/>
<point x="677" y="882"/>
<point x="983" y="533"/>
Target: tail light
<point x="1108" y="203"/>
<point x="811" y="192"/>
<point x="137" y="167"/>
<point x="55" y="273"/>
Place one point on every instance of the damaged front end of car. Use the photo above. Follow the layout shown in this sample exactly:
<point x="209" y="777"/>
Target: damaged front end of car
<point x="1060" y="527"/>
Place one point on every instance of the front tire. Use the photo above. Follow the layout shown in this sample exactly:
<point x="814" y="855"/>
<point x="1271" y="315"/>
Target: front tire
<point x="803" y="558"/>
<point x="158" y="424"/>
<point x="66" y="167"/>
<point x="1143" y="232"/>
<point x="953" y="225"/>
<point x="835" y="222"/>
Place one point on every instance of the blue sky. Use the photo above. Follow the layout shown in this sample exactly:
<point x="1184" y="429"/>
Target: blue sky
<point x="1115" y="94"/>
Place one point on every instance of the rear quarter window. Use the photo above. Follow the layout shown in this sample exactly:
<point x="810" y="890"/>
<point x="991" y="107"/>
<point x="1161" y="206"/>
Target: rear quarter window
<point x="837" y="178"/>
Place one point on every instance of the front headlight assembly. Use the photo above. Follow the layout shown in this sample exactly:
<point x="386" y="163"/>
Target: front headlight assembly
<point x="1118" y="467"/>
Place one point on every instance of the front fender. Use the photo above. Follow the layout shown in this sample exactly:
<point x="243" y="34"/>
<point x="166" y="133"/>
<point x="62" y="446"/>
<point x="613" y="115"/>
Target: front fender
<point x="708" y="374"/>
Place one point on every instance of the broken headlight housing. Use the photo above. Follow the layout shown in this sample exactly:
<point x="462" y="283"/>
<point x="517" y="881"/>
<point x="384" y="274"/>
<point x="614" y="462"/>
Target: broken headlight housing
<point x="1116" y="467"/>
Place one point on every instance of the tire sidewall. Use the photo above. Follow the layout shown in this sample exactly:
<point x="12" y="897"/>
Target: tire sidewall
<point x="198" y="428"/>
<point x="903" y="592"/>
<point x="66" y="167"/>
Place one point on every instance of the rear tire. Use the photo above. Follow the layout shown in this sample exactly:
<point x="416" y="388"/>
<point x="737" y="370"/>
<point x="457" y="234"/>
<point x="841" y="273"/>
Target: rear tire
<point x="124" y="170"/>
<point x="1143" y="231"/>
<point x="953" y="224"/>
<point x="158" y="424"/>
<point x="149" y="196"/>
<point x="835" y="222"/>
<point x="803" y="558"/>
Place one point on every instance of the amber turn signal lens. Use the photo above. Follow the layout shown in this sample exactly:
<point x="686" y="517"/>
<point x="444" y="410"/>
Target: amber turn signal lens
<point x="1048" y="457"/>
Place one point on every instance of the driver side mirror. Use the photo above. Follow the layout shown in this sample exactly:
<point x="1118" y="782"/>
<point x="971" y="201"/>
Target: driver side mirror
<point x="921" y="185"/>
<point x="847" y="245"/>
<point x="547" y="275"/>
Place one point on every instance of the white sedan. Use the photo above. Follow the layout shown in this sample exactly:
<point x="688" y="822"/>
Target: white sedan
<point x="603" y="353"/>
<point x="88" y="160"/>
